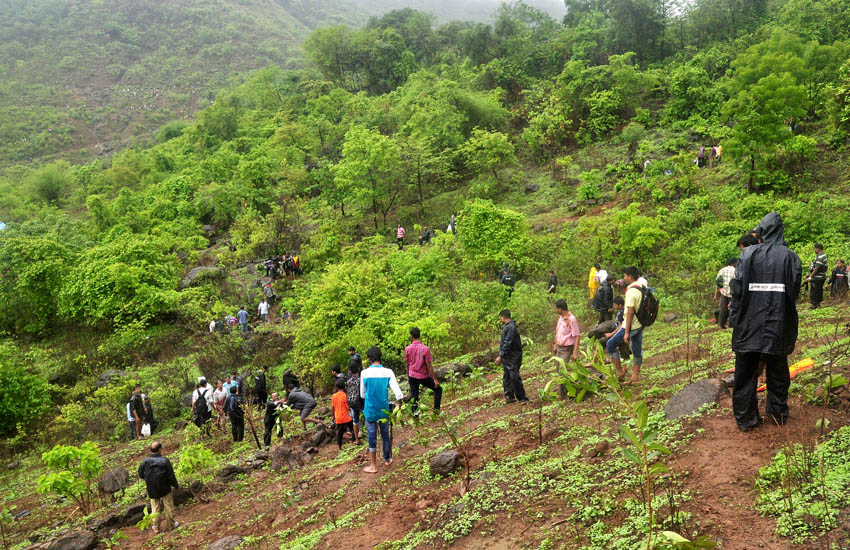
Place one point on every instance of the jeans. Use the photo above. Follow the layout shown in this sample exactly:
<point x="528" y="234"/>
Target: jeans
<point x="744" y="402"/>
<point x="244" y="327"/>
<point x="356" y="415"/>
<point x="511" y="381"/>
<point x="723" y="314"/>
<point x="265" y="317"/>
<point x="372" y="427"/>
<point x="635" y="340"/>
<point x="428" y="383"/>
<point x="166" y="502"/>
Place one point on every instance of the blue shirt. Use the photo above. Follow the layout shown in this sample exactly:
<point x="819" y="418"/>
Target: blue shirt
<point x="242" y="316"/>
<point x="375" y="383"/>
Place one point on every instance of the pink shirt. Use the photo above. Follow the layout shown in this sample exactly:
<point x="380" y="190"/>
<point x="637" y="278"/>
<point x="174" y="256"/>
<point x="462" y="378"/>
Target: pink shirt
<point x="417" y="355"/>
<point x="567" y="331"/>
<point x="400" y="233"/>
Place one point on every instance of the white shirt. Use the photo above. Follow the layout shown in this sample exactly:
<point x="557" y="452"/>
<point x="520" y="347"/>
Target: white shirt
<point x="219" y="396"/>
<point x="601" y="275"/>
<point x="130" y="417"/>
<point x="209" y="396"/>
<point x="212" y="326"/>
<point x="263" y="308"/>
<point x="642" y="282"/>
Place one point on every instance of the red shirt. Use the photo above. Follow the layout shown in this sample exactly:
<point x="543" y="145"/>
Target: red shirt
<point x="417" y="355"/>
<point x="339" y="402"/>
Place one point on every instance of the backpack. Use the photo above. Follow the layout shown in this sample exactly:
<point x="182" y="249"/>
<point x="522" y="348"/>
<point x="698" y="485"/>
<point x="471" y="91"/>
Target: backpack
<point x="352" y="392"/>
<point x="508" y="279"/>
<point x="647" y="311"/>
<point x="201" y="408"/>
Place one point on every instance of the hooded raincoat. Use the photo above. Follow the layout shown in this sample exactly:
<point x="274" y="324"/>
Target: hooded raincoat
<point x="764" y="290"/>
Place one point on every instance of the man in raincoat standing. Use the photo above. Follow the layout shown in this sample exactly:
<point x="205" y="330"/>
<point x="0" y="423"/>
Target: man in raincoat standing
<point x="764" y="316"/>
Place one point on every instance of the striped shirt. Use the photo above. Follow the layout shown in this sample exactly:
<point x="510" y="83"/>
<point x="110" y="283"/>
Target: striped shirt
<point x="724" y="277"/>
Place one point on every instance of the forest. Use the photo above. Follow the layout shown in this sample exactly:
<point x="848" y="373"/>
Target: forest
<point x="311" y="129"/>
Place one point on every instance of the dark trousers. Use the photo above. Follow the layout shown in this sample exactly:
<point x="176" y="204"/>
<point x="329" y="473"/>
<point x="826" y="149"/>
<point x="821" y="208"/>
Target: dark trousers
<point x="262" y="397"/>
<point x="341" y="429"/>
<point x="604" y="316"/>
<point x="511" y="381"/>
<point x="723" y="313"/>
<point x="744" y="402"/>
<point x="400" y="242"/>
<point x="237" y="427"/>
<point x="267" y="435"/>
<point x="816" y="291"/>
<point x="428" y="383"/>
<point x="132" y="424"/>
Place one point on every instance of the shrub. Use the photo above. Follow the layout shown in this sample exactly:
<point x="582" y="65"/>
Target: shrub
<point x="24" y="398"/>
<point x="491" y="236"/>
<point x="75" y="469"/>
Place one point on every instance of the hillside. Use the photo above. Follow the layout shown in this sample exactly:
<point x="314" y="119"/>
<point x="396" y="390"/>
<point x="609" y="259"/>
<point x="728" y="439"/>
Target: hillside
<point x="554" y="145"/>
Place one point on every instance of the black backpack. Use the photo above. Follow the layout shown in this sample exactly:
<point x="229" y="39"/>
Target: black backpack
<point x="508" y="279"/>
<point x="647" y="311"/>
<point x="352" y="392"/>
<point x="201" y="408"/>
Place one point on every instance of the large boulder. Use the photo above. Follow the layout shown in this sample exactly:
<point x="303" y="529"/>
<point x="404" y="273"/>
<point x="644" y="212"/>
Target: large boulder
<point x="599" y="331"/>
<point x="693" y="396"/>
<point x="76" y="540"/>
<point x="444" y="463"/>
<point x="531" y="188"/>
<point x="230" y="542"/>
<point x="229" y="472"/>
<point x="134" y="514"/>
<point x="197" y="273"/>
<point x="114" y="480"/>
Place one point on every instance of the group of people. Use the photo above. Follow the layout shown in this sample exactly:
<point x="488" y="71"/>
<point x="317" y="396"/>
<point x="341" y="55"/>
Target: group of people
<point x="243" y="318"/>
<point x="708" y="156"/>
<point x="289" y="264"/>
<point x="139" y="414"/>
<point x="427" y="233"/>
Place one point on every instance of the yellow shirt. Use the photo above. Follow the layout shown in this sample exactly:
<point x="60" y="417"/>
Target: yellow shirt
<point x="592" y="283"/>
<point x="633" y="298"/>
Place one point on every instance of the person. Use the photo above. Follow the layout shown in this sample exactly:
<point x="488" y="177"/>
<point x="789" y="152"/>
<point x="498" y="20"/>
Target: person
<point x="747" y="239"/>
<point x="552" y="284"/>
<point x="242" y="316"/>
<point x="212" y="326"/>
<point x="426" y="237"/>
<point x="131" y="420"/>
<point x="302" y="401"/>
<point x="337" y="372"/>
<point x="202" y="405"/>
<point x="236" y="414"/>
<point x="260" y="390"/>
<point x="723" y="292"/>
<point x="375" y="382"/>
<point x="592" y="281"/>
<point x="343" y="420"/>
<point x="510" y="357"/>
<point x="838" y="280"/>
<point x="420" y="370"/>
<point x="718" y="153"/>
<point x="701" y="156"/>
<point x="603" y="302"/>
<point x="286" y="316"/>
<point x="601" y="275"/>
<point x="296" y="263"/>
<point x="228" y="382"/>
<point x="354" y="359"/>
<point x="138" y="409"/>
<point x="237" y="381"/>
<point x="150" y="419"/>
<point x="219" y="399"/>
<point x="263" y="310"/>
<point x="817" y="276"/>
<point x="399" y="235"/>
<point x="268" y="292"/>
<point x="158" y="474"/>
<point x="355" y="401"/>
<point x="507" y="278"/>
<point x="631" y="331"/>
<point x="567" y="337"/>
<point x="452" y="226"/>
<point x="764" y="323"/>
<point x="712" y="155"/>
<point x="270" y="418"/>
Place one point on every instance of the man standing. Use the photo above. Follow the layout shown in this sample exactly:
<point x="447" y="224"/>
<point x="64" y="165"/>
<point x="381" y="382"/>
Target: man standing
<point x="452" y="223"/>
<point x="603" y="302"/>
<point x="420" y="370"/>
<point x="260" y="392"/>
<point x="631" y="331"/>
<point x="202" y="405"/>
<point x="552" y="284"/>
<point x="399" y="235"/>
<point x="131" y="420"/>
<point x="764" y="323"/>
<point x="817" y="275"/>
<point x="375" y="382"/>
<point x="219" y="399"/>
<point x="158" y="474"/>
<point x="724" y="277"/>
<point x="510" y="357"/>
<point x="236" y="414"/>
<point x="242" y="316"/>
<point x="506" y="277"/>
<point x="567" y="337"/>
<point x="355" y="362"/>
<point x="263" y="310"/>
<point x="137" y="406"/>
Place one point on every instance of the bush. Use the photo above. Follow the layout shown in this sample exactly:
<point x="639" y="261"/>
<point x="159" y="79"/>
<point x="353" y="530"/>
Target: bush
<point x="491" y="236"/>
<point x="24" y="398"/>
<point x="75" y="469"/>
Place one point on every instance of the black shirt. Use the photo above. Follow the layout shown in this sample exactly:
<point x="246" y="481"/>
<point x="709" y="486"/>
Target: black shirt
<point x="158" y="474"/>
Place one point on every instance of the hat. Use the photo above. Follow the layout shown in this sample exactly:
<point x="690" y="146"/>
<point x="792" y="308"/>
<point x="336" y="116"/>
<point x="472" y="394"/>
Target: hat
<point x="202" y="379"/>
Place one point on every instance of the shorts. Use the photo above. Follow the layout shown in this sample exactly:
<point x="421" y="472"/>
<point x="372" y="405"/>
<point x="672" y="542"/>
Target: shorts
<point x="305" y="412"/>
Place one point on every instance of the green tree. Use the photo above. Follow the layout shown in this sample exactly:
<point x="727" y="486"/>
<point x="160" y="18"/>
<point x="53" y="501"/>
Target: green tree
<point x="488" y="152"/>
<point x="74" y="471"/>
<point x="51" y="183"/>
<point x="24" y="397"/>
<point x="491" y="236"/>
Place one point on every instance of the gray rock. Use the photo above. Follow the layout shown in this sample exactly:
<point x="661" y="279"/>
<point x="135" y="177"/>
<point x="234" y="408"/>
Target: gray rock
<point x="110" y="521"/>
<point x="134" y="514"/>
<point x="109" y="376"/>
<point x="670" y="317"/>
<point x="180" y="425"/>
<point x="693" y="396"/>
<point x="230" y="542"/>
<point x="182" y="495"/>
<point x="600" y="330"/>
<point x="590" y="202"/>
<point x="114" y="480"/>
<point x="445" y="463"/>
<point x="14" y="465"/>
<point x="260" y="455"/>
<point x="532" y="188"/>
<point x="197" y="273"/>
<point x="77" y="540"/>
<point x="229" y="472"/>
<point x="283" y="457"/>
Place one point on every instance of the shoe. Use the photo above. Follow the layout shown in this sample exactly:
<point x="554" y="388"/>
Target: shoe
<point x="751" y="428"/>
<point x="523" y="401"/>
<point x="509" y="400"/>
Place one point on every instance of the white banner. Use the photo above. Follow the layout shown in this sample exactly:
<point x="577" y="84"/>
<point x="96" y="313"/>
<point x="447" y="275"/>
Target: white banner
<point x="767" y="287"/>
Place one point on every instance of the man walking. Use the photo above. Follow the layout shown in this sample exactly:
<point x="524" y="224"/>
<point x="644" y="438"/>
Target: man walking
<point x="355" y="362"/>
<point x="375" y="382"/>
<point x="552" y="283"/>
<point x="399" y="235"/>
<point x="603" y="302"/>
<point x="263" y="310"/>
<point x="724" y="277"/>
<point x="270" y="419"/>
<point x="817" y="275"/>
<point x="242" y="316"/>
<point x="567" y="336"/>
<point x="631" y="331"/>
<point x="236" y="414"/>
<point x="303" y="402"/>
<point x="137" y="406"/>
<point x="510" y="357"/>
<point x="158" y="474"/>
<point x="420" y="370"/>
<point x="764" y="323"/>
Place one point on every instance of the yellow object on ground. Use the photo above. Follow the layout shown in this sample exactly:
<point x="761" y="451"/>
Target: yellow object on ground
<point x="794" y="369"/>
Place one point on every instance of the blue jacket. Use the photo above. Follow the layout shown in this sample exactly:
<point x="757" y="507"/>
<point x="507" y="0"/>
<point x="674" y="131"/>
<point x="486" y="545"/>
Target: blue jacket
<point x="375" y="383"/>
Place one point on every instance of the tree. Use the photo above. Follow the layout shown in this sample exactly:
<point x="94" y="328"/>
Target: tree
<point x="330" y="48"/>
<point x="51" y="183"/>
<point x="491" y="236"/>
<point x="488" y="151"/>
<point x="24" y="397"/>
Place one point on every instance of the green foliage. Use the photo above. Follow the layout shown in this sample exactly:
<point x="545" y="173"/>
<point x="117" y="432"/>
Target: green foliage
<point x="74" y="470"/>
<point x="50" y="183"/>
<point x="488" y="151"/>
<point x="492" y="236"/>
<point x="24" y="397"/>
<point x="195" y="461"/>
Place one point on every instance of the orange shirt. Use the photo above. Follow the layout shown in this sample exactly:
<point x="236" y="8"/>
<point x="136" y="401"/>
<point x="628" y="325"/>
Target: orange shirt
<point x="340" y="404"/>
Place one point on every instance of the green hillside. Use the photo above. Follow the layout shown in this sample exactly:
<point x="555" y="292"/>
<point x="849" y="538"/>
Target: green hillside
<point x="558" y="144"/>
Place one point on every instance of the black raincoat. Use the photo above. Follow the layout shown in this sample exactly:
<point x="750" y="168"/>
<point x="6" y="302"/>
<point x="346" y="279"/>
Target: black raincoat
<point x="764" y="291"/>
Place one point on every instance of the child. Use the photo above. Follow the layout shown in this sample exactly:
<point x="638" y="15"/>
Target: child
<point x="344" y="423"/>
<point x="838" y="280"/>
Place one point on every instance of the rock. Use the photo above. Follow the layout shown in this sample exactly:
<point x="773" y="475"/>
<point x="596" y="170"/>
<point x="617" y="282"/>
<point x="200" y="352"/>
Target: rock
<point x="114" y="480"/>
<point x="590" y="202"/>
<point x="693" y="396"/>
<point x="729" y="380"/>
<point x="199" y="272"/>
<point x="596" y="450"/>
<point x="445" y="463"/>
<point x="670" y="317"/>
<point x="109" y="376"/>
<point x="531" y="188"/>
<point x="260" y="455"/>
<point x="77" y="540"/>
<point x="134" y="514"/>
<point x="319" y="437"/>
<point x="229" y="472"/>
<point x="110" y="521"/>
<point x="180" y="425"/>
<point x="14" y="465"/>
<point x="600" y="330"/>
<point x="182" y="495"/>
<point x="572" y="205"/>
<point x="230" y="542"/>
<point x="324" y="411"/>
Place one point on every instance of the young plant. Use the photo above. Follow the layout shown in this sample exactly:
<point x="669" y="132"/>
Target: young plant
<point x="75" y="469"/>
<point x="148" y="520"/>
<point x="6" y="519"/>
<point x="114" y="541"/>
